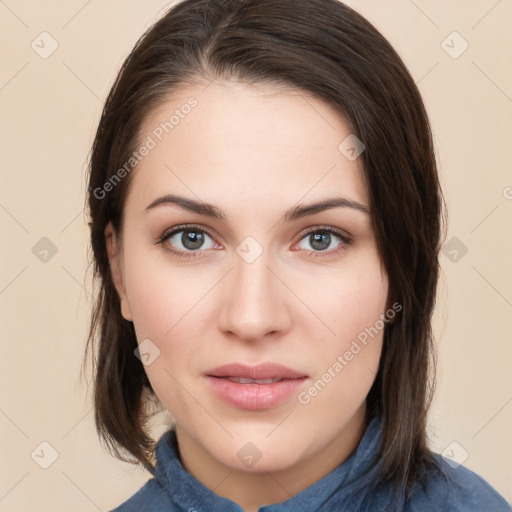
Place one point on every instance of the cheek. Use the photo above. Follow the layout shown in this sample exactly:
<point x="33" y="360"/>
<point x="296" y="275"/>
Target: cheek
<point x="362" y="302"/>
<point x="153" y="308"/>
<point x="168" y="308"/>
<point x="352" y="301"/>
<point x="163" y="307"/>
<point x="350" y="351"/>
<point x="161" y="297"/>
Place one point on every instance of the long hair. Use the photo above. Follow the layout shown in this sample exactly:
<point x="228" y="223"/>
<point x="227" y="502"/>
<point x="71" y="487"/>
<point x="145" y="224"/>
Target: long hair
<point x="325" y="48"/>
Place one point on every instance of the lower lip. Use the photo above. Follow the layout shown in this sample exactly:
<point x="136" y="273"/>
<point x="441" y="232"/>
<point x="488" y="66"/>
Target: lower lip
<point x="254" y="396"/>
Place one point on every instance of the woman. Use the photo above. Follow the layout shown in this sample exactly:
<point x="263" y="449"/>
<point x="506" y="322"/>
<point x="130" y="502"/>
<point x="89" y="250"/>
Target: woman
<point x="266" y="220"/>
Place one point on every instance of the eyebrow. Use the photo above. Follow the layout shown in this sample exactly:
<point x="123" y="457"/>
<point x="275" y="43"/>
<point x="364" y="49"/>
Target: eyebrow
<point x="294" y="213"/>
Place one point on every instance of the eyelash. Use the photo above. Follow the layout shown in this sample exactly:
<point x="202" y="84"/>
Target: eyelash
<point x="344" y="237"/>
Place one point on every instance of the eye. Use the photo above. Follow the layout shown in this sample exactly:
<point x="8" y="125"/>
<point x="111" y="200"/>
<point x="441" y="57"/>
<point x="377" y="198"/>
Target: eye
<point x="189" y="241"/>
<point x="324" y="241"/>
<point x="186" y="241"/>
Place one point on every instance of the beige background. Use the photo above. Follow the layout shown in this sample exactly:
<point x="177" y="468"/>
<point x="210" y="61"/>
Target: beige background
<point x="49" y="111"/>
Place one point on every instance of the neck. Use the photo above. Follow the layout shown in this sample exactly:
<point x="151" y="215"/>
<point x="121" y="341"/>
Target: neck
<point x="252" y="490"/>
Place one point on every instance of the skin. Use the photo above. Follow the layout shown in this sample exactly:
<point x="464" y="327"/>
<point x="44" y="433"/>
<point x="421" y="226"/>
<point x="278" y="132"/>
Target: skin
<point x="253" y="152"/>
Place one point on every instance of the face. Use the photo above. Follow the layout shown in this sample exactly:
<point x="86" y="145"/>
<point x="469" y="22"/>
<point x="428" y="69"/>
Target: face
<point x="255" y="278"/>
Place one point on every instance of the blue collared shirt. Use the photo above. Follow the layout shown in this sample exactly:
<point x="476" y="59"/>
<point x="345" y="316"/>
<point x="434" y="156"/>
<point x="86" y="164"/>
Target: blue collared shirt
<point x="352" y="486"/>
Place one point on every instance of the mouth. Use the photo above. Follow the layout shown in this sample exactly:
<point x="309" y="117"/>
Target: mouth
<point x="254" y="387"/>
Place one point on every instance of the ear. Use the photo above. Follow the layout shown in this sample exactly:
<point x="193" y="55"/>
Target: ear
<point x="116" y="269"/>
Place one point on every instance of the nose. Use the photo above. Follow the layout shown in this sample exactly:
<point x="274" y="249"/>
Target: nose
<point x="254" y="302"/>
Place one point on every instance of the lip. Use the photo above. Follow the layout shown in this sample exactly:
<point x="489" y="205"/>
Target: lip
<point x="255" y="396"/>
<point x="256" y="372"/>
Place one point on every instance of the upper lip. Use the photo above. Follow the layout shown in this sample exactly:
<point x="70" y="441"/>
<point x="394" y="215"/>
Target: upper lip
<point x="256" y="372"/>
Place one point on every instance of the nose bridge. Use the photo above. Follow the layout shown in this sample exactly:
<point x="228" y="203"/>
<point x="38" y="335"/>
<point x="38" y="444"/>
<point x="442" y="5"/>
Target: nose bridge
<point x="254" y="304"/>
<point x="253" y="280"/>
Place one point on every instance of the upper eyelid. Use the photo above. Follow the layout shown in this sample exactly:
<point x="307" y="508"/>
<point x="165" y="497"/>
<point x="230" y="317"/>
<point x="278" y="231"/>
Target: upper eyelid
<point x="177" y="229"/>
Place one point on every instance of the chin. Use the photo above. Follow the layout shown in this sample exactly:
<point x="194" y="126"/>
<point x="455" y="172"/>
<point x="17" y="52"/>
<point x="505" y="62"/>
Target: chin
<point x="258" y="453"/>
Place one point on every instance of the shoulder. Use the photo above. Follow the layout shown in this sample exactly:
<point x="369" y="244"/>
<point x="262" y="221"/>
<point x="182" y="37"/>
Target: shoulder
<point x="455" y="489"/>
<point x="149" y="498"/>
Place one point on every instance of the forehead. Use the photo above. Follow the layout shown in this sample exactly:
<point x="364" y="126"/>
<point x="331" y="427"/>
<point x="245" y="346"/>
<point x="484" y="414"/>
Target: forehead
<point x="249" y="143"/>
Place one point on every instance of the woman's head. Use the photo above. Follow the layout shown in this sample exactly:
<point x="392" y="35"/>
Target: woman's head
<point x="247" y="112"/>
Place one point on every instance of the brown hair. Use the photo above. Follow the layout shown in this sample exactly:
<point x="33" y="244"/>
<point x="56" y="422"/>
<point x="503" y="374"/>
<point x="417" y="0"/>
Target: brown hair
<point x="327" y="49"/>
